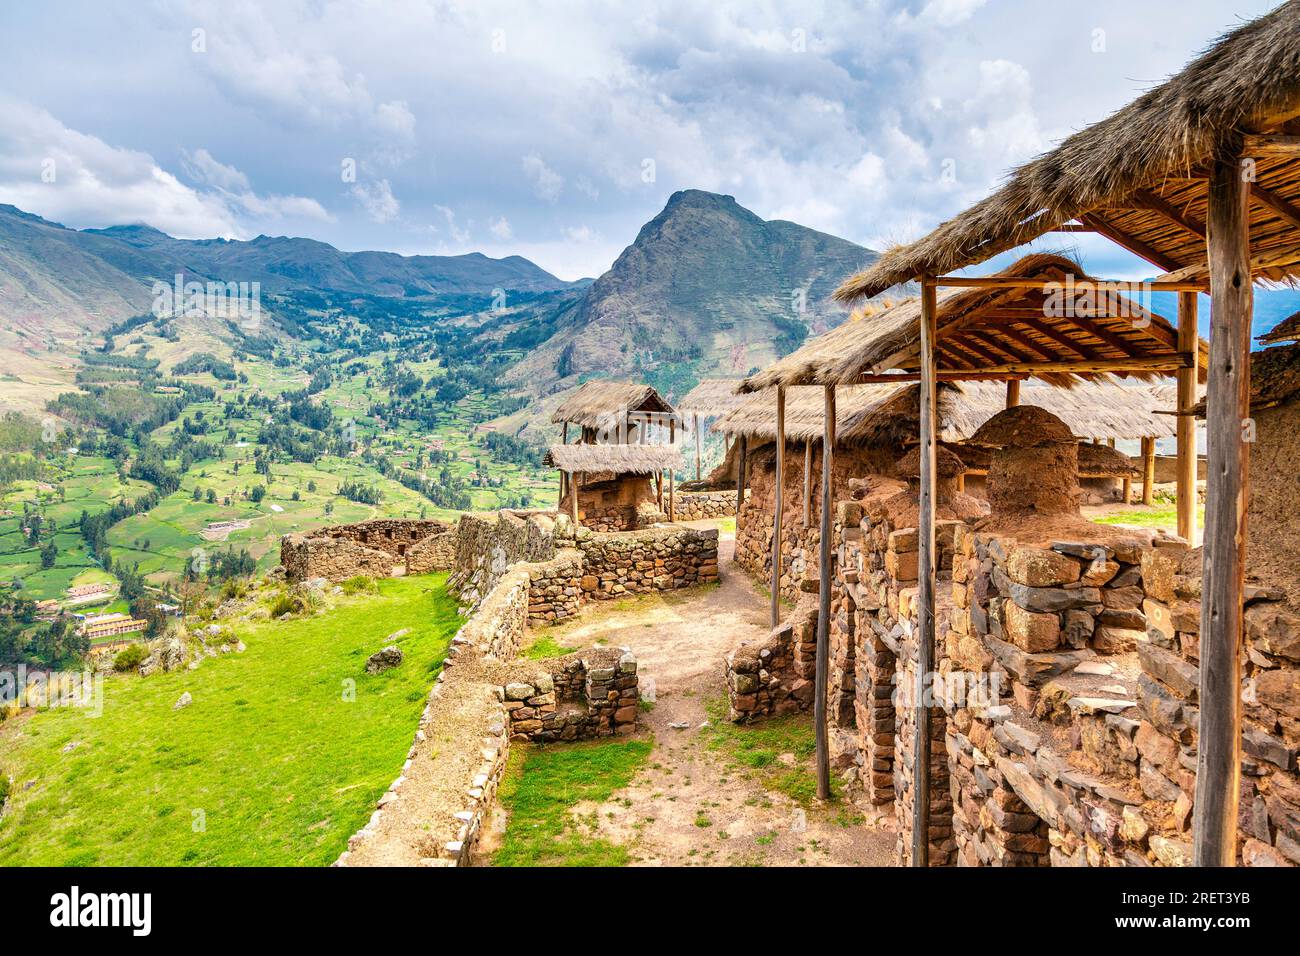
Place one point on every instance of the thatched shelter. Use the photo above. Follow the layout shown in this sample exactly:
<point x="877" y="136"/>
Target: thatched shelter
<point x="1061" y="333"/>
<point x="620" y="411"/>
<point x="616" y="487"/>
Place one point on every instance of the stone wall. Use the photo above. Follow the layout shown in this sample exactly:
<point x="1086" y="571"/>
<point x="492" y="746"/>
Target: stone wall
<point x="799" y="546"/>
<point x="581" y="696"/>
<point x="701" y="505"/>
<point x="371" y="548"/>
<point x="487" y="545"/>
<point x="615" y="503"/>
<point x="655" y="559"/>
<point x="775" y="675"/>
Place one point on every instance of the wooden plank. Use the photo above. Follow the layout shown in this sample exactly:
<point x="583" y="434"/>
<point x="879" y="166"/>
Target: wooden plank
<point x="780" y="506"/>
<point x="925" y="589"/>
<point x="1185" y="474"/>
<point x="1148" y="471"/>
<point x="1218" y="764"/>
<point x="824" y="600"/>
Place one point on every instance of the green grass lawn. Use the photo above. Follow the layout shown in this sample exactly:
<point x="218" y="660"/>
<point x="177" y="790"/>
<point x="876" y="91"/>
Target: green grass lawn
<point x="754" y="750"/>
<point x="279" y="767"/>
<point x="541" y="787"/>
<point x="1165" y="517"/>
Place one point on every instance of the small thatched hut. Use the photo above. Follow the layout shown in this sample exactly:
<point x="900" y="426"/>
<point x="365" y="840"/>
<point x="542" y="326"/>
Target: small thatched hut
<point x="710" y="399"/>
<point x="614" y="412"/>
<point x="616" y="487"/>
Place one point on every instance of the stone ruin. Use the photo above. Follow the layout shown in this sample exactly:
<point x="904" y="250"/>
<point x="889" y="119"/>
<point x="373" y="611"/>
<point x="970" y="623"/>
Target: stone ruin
<point x="377" y="548"/>
<point x="1063" y="708"/>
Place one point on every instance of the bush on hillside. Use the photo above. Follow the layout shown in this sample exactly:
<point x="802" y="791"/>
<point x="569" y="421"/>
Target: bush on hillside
<point x="129" y="658"/>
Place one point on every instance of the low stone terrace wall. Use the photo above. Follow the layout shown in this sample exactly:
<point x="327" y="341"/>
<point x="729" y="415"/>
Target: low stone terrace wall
<point x="775" y="676"/>
<point x="369" y="548"/>
<point x="581" y="696"/>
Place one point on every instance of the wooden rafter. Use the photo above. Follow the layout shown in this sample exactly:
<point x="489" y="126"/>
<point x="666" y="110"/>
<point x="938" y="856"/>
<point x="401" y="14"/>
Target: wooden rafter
<point x="1042" y="328"/>
<point x="1171" y="212"/>
<point x="1131" y="243"/>
<point x="1276" y="203"/>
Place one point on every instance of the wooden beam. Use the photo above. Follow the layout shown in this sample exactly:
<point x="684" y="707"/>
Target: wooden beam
<point x="824" y="599"/>
<point x="1185" y="474"/>
<point x="925" y="589"/>
<point x="740" y="481"/>
<point x="1276" y="203"/>
<point x="903" y="378"/>
<point x="1167" y="363"/>
<point x="1148" y="471"/>
<point x="1159" y="204"/>
<point x="1013" y="392"/>
<point x="1260" y="145"/>
<point x="697" y="447"/>
<point x="1060" y="338"/>
<point x="1163" y="284"/>
<point x="1072" y="227"/>
<point x="1218" y="763"/>
<point x="1131" y="243"/>
<point x="564" y="434"/>
<point x="807" y="484"/>
<point x="780" y="506"/>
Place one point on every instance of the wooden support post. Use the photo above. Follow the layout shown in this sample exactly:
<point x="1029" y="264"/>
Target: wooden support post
<point x="560" y="504"/>
<point x="564" y="434"/>
<point x="925" y="589"/>
<point x="1013" y="392"/>
<point x="807" y="484"/>
<point x="1127" y="491"/>
<point x="1186" y="431"/>
<point x="740" y="481"/>
<point x="780" y="505"/>
<point x="659" y="489"/>
<point x="824" y="601"/>
<point x="1218" y="763"/>
<point x="697" y="447"/>
<point x="1148" y="471"/>
<point x="672" y="501"/>
<point x="573" y="498"/>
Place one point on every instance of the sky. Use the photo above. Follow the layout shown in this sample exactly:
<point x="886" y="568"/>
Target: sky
<point x="555" y="129"/>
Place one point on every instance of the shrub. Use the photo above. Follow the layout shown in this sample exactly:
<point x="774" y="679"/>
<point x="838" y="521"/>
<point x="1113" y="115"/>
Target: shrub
<point x="129" y="658"/>
<point x="284" y="604"/>
<point x="360" y="584"/>
<point x="4" y="787"/>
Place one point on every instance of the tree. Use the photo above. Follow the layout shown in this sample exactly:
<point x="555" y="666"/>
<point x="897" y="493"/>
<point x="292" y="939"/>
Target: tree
<point x="258" y="493"/>
<point x="49" y="552"/>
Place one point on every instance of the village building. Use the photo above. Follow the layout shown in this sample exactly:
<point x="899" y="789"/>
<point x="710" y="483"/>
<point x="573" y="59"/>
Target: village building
<point x="111" y="625"/>
<point x="617" y="487"/>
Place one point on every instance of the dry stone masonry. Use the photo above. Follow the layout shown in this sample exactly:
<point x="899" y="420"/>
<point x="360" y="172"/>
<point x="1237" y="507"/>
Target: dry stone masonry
<point x="370" y="548"/>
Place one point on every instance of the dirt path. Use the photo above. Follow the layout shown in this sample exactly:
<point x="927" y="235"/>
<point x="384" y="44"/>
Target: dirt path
<point x="694" y="804"/>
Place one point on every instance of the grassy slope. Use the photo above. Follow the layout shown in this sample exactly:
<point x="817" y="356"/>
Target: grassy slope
<point x="283" y="769"/>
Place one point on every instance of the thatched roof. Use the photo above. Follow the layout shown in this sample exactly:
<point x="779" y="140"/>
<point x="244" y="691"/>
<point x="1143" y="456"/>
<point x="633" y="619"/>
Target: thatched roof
<point x="711" y="398"/>
<point x="619" y="459"/>
<point x="980" y="328"/>
<point x="1288" y="330"/>
<point x="1025" y="426"/>
<point x="604" y="404"/>
<point x="890" y="414"/>
<point x="1102" y="461"/>
<point x="1135" y="175"/>
<point x="1274" y="378"/>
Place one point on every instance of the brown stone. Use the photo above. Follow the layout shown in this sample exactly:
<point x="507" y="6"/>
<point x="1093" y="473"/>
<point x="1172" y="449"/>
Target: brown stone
<point x="1115" y="640"/>
<point x="1031" y="631"/>
<point x="1274" y="630"/>
<point x="1040" y="567"/>
<point x="1280" y="690"/>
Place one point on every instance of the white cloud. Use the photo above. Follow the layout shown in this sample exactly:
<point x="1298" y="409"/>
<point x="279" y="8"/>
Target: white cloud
<point x="377" y="200"/>
<point x="500" y="228"/>
<point x="547" y="183"/>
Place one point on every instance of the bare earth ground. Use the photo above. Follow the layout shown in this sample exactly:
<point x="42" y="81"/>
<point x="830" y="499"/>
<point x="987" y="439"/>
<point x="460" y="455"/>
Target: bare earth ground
<point x="680" y="642"/>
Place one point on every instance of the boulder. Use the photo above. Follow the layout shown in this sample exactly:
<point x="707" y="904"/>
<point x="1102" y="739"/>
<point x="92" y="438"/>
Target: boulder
<point x="383" y="660"/>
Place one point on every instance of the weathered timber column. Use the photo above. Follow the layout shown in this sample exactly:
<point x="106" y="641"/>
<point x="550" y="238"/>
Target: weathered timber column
<point x="780" y="505"/>
<point x="560" y="504"/>
<point x="925" y="586"/>
<point x="1218" y="764"/>
<point x="697" y="447"/>
<point x="807" y="484"/>
<point x="1148" y="470"/>
<point x="1185" y="474"/>
<point x="672" y="501"/>
<point x="573" y="498"/>
<point x="824" y="600"/>
<point x="1013" y="392"/>
<point x="740" y="480"/>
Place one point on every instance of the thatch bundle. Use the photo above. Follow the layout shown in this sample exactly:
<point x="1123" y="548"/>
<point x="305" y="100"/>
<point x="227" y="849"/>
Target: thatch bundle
<point x="616" y="459"/>
<point x="1140" y="161"/>
<point x="604" y="404"/>
<point x="711" y="398"/>
<point x="1025" y="426"/>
